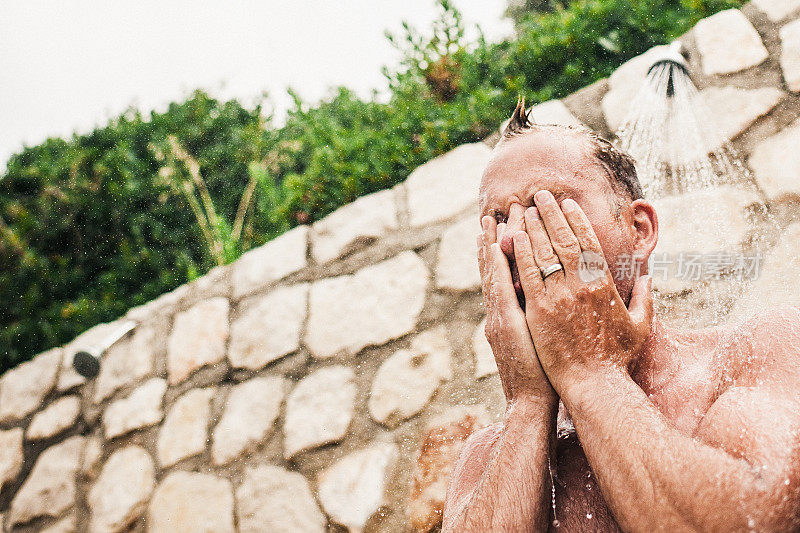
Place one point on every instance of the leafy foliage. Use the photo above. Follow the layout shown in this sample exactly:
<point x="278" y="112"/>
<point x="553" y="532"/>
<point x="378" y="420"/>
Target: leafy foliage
<point x="91" y="229"/>
<point x="95" y="224"/>
<point x="518" y="10"/>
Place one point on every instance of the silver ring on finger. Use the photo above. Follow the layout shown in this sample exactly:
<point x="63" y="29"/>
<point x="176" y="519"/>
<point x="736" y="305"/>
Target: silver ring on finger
<point x="552" y="269"/>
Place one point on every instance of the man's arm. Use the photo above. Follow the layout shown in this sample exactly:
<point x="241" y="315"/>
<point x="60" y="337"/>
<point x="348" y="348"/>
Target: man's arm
<point x="501" y="481"/>
<point x="739" y="473"/>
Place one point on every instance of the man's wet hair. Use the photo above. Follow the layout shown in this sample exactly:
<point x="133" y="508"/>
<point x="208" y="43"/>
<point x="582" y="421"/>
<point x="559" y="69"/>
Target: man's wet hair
<point x="620" y="167"/>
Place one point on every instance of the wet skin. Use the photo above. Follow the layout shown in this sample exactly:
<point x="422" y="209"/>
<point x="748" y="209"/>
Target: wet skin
<point x="674" y="430"/>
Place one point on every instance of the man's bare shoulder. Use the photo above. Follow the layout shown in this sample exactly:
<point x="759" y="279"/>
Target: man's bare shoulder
<point x="760" y="352"/>
<point x="757" y="417"/>
<point x="765" y="348"/>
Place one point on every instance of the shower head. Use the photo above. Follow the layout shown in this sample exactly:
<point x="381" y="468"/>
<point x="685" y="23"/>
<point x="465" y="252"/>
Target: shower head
<point x="670" y="61"/>
<point x="672" y="55"/>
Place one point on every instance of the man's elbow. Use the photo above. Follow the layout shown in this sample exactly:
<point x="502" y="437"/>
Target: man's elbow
<point x="467" y="473"/>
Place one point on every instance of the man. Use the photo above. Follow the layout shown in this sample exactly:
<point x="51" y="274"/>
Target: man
<point x="673" y="430"/>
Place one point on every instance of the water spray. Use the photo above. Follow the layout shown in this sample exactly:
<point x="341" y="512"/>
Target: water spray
<point x="688" y="164"/>
<point x="672" y="133"/>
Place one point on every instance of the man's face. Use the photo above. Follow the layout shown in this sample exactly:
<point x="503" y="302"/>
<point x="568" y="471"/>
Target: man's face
<point x="561" y="162"/>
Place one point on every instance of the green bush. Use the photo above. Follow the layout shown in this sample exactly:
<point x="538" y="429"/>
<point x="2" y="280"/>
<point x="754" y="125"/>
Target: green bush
<point x="95" y="224"/>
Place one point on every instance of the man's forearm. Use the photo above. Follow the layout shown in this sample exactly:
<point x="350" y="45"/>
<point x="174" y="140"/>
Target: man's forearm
<point x="513" y="492"/>
<point x="652" y="476"/>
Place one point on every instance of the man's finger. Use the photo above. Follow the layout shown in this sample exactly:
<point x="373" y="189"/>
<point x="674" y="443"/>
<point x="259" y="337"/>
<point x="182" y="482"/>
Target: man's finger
<point x="479" y="251"/>
<point x="502" y="286"/>
<point x="529" y="274"/>
<point x="481" y="260"/>
<point x="581" y="226"/>
<point x="563" y="239"/>
<point x="479" y="248"/>
<point x="543" y="253"/>
<point x="489" y="226"/>
<point x="592" y="266"/>
<point x="515" y="223"/>
<point x="489" y="236"/>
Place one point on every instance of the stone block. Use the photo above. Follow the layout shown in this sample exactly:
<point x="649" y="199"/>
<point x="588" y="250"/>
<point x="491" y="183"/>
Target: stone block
<point x="706" y="220"/>
<point x="777" y="10"/>
<point x="407" y="380"/>
<point x="446" y="185"/>
<point x="441" y="444"/>
<point x="122" y="491"/>
<point x="274" y="260"/>
<point x="197" y="339"/>
<point x="457" y="267"/>
<point x="728" y="43"/>
<point x="776" y="162"/>
<point x="215" y="282"/>
<point x="11" y="455"/>
<point x="356" y="224"/>
<point x="353" y="489"/>
<point x="790" y="55"/>
<point x="126" y="362"/>
<point x="698" y="222"/>
<point x="319" y="409"/>
<point x="68" y="524"/>
<point x="163" y="306"/>
<point x="92" y="454"/>
<point x="485" y="365"/>
<point x="268" y="327"/>
<point x="185" y="429"/>
<point x="553" y="112"/>
<point x="50" y="488"/>
<point x="734" y="110"/>
<point x="376" y="304"/>
<point x="250" y="412"/>
<point x="277" y="500"/>
<point x="55" y="418"/>
<point x="142" y="408"/>
<point x="23" y="387"/>
<point x="190" y="502"/>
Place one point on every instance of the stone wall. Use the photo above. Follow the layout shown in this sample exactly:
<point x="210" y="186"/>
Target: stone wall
<point x="327" y="379"/>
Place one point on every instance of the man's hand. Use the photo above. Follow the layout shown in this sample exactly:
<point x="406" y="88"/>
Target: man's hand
<point x="738" y="470"/>
<point x="577" y="319"/>
<point x="506" y="328"/>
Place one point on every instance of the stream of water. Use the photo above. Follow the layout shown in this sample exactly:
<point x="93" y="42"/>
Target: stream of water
<point x="693" y="174"/>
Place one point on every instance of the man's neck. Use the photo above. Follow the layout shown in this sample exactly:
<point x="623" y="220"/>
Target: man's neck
<point x="656" y="363"/>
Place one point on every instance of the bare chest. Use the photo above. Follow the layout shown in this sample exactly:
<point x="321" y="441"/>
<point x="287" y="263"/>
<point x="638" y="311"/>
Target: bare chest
<point x="578" y="504"/>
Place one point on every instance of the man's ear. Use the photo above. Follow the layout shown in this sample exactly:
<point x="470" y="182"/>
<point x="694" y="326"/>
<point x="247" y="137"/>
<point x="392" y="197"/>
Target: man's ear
<point x="645" y="226"/>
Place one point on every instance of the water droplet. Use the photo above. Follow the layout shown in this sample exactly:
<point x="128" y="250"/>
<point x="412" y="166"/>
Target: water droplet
<point x="589" y="515"/>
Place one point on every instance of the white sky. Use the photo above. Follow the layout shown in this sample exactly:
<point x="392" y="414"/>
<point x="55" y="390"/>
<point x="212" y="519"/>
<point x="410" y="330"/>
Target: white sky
<point x="69" y="65"/>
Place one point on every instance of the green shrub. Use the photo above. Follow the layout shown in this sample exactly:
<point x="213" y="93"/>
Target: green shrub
<point x="95" y="224"/>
